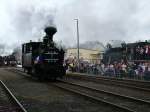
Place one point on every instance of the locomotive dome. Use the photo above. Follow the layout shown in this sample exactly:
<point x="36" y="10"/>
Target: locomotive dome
<point x="50" y="30"/>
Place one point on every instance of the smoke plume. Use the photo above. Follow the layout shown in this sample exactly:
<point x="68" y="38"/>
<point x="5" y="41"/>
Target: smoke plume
<point x="102" y="20"/>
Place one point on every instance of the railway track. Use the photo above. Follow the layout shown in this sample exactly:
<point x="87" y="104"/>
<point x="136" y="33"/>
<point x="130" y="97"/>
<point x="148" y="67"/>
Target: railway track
<point x="115" y="100"/>
<point x="8" y="102"/>
<point x="133" y="84"/>
<point x="104" y="80"/>
<point x="122" y="102"/>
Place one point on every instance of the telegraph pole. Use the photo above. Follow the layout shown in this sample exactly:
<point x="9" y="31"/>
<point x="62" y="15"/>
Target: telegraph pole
<point x="77" y="25"/>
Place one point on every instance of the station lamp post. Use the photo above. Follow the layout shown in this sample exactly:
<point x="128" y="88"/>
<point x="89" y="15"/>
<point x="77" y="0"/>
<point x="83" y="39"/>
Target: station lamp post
<point x="77" y="25"/>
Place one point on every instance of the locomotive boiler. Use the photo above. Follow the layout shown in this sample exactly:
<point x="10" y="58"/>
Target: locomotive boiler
<point x="44" y="59"/>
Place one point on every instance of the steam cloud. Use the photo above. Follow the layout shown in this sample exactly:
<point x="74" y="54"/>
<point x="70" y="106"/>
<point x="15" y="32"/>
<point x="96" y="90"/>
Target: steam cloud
<point x="101" y="20"/>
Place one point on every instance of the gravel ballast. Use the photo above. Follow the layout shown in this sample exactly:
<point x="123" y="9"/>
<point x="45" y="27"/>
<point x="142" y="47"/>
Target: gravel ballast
<point x="44" y="97"/>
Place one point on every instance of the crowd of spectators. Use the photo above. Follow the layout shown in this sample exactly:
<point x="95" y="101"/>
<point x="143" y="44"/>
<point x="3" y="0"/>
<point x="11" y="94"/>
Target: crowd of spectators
<point x="142" y="52"/>
<point x="120" y="69"/>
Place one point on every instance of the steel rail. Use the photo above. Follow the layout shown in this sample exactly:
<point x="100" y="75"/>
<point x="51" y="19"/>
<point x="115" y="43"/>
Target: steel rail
<point x="114" y="82"/>
<point x="131" y="81"/>
<point x="111" y="93"/>
<point x="96" y="79"/>
<point x="93" y="98"/>
<point x="97" y="99"/>
<point x="135" y="101"/>
<point x="22" y="109"/>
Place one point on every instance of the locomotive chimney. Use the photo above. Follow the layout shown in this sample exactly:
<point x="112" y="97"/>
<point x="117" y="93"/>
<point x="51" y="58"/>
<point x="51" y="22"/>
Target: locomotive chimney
<point x="50" y="31"/>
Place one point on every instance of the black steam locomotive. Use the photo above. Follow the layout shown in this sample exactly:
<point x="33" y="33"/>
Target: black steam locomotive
<point x="43" y="59"/>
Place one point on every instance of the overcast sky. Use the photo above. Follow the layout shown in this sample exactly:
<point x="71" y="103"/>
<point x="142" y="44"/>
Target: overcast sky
<point x="103" y="20"/>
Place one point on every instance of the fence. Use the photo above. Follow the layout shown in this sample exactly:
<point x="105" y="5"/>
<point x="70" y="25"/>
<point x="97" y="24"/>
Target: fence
<point x="97" y="70"/>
